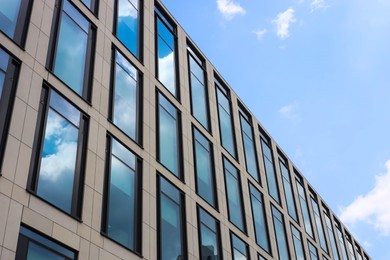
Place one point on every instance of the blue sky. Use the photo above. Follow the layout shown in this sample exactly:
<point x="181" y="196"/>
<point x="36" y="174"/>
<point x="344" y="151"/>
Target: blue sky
<point x="316" y="73"/>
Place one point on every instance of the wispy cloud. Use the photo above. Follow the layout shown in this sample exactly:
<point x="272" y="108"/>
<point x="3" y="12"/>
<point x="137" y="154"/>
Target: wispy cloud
<point x="283" y="22"/>
<point x="373" y="207"/>
<point x="318" y="4"/>
<point x="260" y="33"/>
<point x="229" y="9"/>
<point x="289" y="111"/>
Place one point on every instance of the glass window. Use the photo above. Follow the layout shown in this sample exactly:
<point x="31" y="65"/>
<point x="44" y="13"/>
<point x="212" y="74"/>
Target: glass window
<point x="168" y="131"/>
<point x="91" y="4"/>
<point x="312" y="251"/>
<point x="350" y="247"/>
<point x="234" y="195"/>
<point x="166" y="52"/>
<point x="280" y="234"/>
<point x="72" y="59"/>
<point x="318" y="221"/>
<point x="269" y="168"/>
<point x="239" y="248"/>
<point x="32" y="245"/>
<point x="341" y="240"/>
<point x="198" y="83"/>
<point x="204" y="168"/>
<point x="288" y="189"/>
<point x="298" y="245"/>
<point x="127" y="24"/>
<point x="208" y="236"/>
<point x="9" y="71"/>
<point x="358" y="254"/>
<point x="59" y="160"/>
<point x="225" y="119"/>
<point x="259" y="218"/>
<point x="249" y="145"/>
<point x="171" y="224"/>
<point x="125" y="111"/>
<point x="331" y="235"/>
<point x="14" y="16"/>
<point x="122" y="204"/>
<point x="304" y="206"/>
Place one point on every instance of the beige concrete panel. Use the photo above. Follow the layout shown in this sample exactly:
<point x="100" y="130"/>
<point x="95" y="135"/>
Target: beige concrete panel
<point x="84" y="249"/>
<point x="23" y="88"/>
<point x="43" y="45"/>
<point x="5" y="204"/>
<point x="96" y="238"/>
<point x="87" y="205"/>
<point x="97" y="210"/>
<point x="36" y="13"/>
<point x="23" y="166"/>
<point x="7" y="254"/>
<point x="5" y="187"/>
<point x="17" y="120"/>
<point x="20" y="195"/>
<point x="47" y="18"/>
<point x="65" y="236"/>
<point x="10" y="157"/>
<point x="84" y="231"/>
<point x="37" y="221"/>
<point x="13" y="224"/>
<point x="29" y="127"/>
<point x="93" y="252"/>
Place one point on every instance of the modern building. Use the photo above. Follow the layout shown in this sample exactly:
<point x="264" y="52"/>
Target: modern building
<point x="120" y="140"/>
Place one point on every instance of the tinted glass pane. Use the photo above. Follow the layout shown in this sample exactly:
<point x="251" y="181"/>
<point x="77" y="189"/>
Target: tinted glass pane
<point x="198" y="93"/>
<point x="250" y="155"/>
<point x="168" y="136"/>
<point x="204" y="171"/>
<point x="304" y="209"/>
<point x="261" y="230"/>
<point x="341" y="243"/>
<point x="170" y="229"/>
<point x="225" y="123"/>
<point x="209" y="243"/>
<point x="9" y="11"/>
<point x="71" y="50"/>
<point x="350" y="249"/>
<point x="127" y="25"/>
<point x="166" y="65"/>
<point x="240" y="250"/>
<point x="298" y="246"/>
<point x="233" y="191"/>
<point x="270" y="171"/>
<point x="36" y="252"/>
<point x="121" y="203"/>
<point x="288" y="192"/>
<point x="312" y="251"/>
<point x="332" y="239"/>
<point x="57" y="169"/>
<point x="125" y="97"/>
<point x="280" y="234"/>
<point x="88" y="3"/>
<point x="318" y="221"/>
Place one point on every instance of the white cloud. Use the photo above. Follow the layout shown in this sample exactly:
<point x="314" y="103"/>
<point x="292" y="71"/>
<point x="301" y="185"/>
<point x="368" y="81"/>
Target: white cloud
<point x="373" y="207"/>
<point x="229" y="9"/>
<point x="260" y="33"/>
<point x="318" y="4"/>
<point x="283" y="22"/>
<point x="289" y="111"/>
<point x="127" y="10"/>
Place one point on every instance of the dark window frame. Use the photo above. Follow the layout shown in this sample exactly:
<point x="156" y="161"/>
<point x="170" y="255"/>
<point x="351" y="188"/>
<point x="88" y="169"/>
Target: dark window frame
<point x="95" y="7"/>
<point x="7" y="100"/>
<point x="212" y="164"/>
<point x="162" y="15"/>
<point x="89" y="65"/>
<point x="269" y="251"/>
<point x="137" y="193"/>
<point x="301" y="239"/>
<point x="198" y="58"/>
<point x="179" y="138"/>
<point x="22" y="22"/>
<point x="218" y="232"/>
<point x="300" y="181"/>
<point x="283" y="222"/>
<point x="247" y="254"/>
<point x="140" y="34"/>
<point x="140" y="91"/>
<point x="244" y="115"/>
<point x="313" y="199"/>
<point x="245" y="229"/>
<point x="81" y="156"/>
<point x="24" y="240"/>
<point x="184" y="246"/>
<point x="218" y="84"/>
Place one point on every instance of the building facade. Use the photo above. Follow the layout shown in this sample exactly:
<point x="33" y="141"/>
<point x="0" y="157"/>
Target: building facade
<point x="120" y="140"/>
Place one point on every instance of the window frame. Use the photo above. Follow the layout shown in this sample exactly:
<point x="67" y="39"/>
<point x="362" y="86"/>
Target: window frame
<point x="283" y="224"/>
<point x="89" y="66"/>
<point x="218" y="232"/>
<point x="24" y="240"/>
<point x="300" y="181"/>
<point x="81" y="156"/>
<point x="140" y="33"/>
<point x="212" y="166"/>
<point x="7" y="100"/>
<point x="22" y="22"/>
<point x="244" y="115"/>
<point x="179" y="138"/>
<point x="192" y="53"/>
<point x="183" y="217"/>
<point x="162" y="15"/>
<point x="293" y="228"/>
<point x="220" y="86"/>
<point x="95" y="7"/>
<point x="140" y="90"/>
<point x="239" y="184"/>
<point x="137" y="196"/>
<point x="232" y="235"/>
